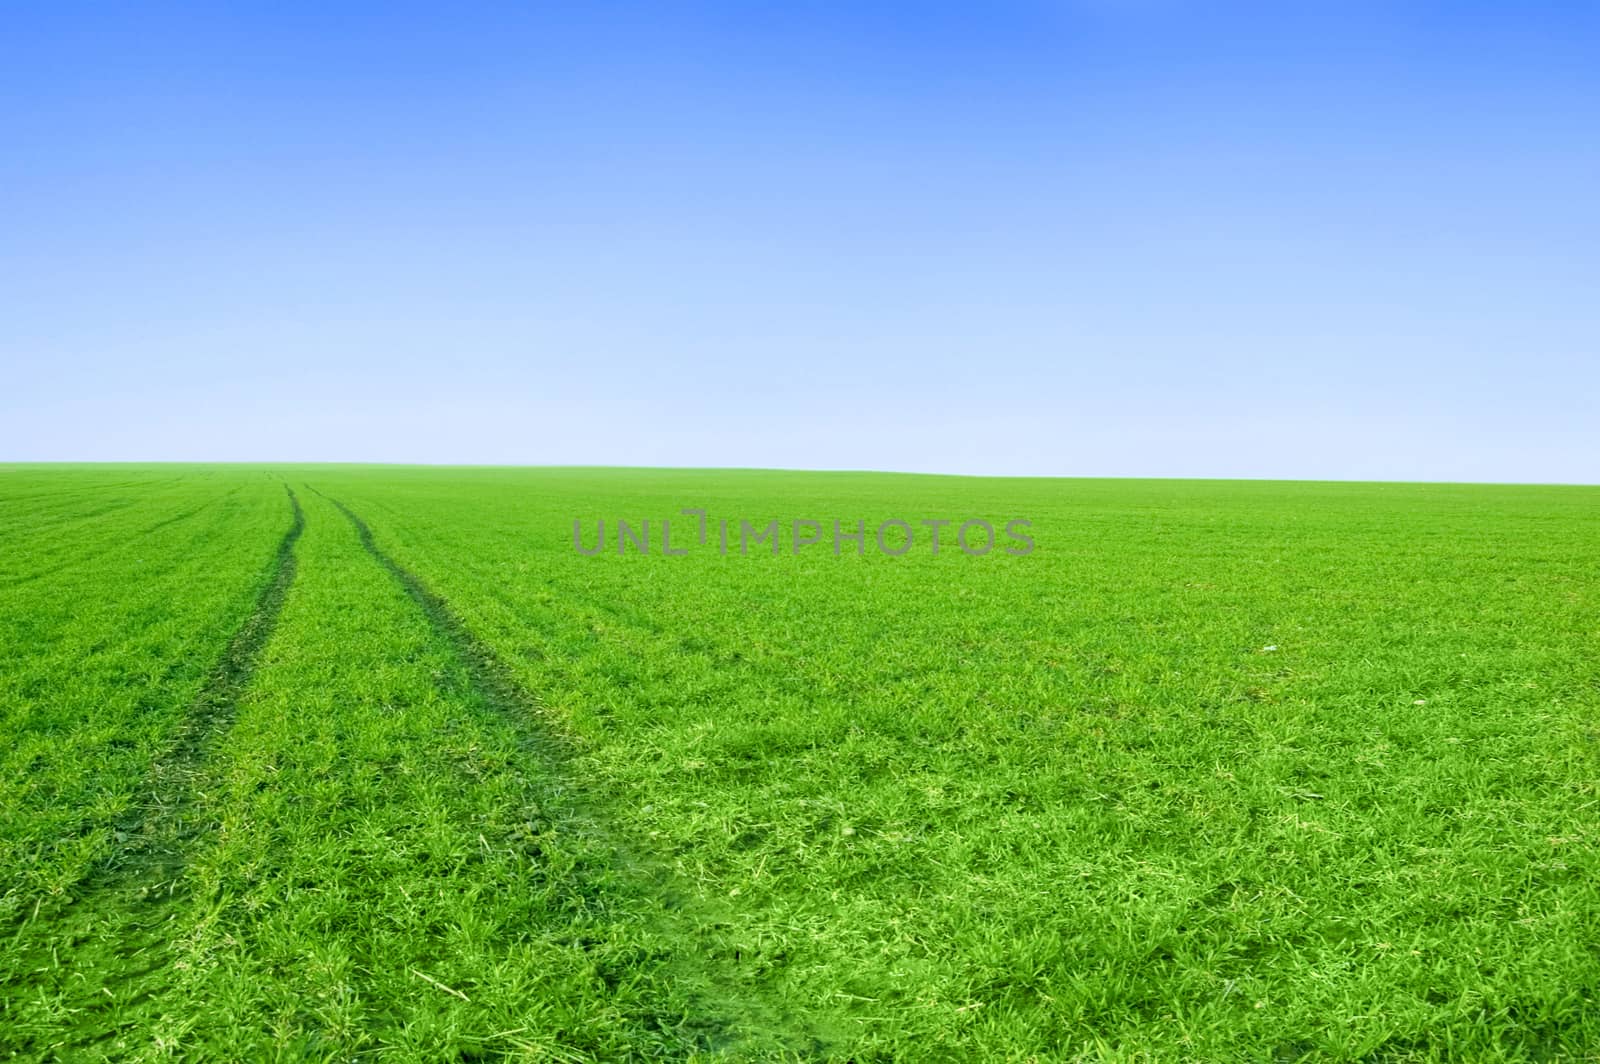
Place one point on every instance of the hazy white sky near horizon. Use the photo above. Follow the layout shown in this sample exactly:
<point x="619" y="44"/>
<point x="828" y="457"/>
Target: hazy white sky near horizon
<point x="1338" y="241"/>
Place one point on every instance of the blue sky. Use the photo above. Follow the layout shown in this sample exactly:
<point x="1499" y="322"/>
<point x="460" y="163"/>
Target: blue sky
<point x="1150" y="238"/>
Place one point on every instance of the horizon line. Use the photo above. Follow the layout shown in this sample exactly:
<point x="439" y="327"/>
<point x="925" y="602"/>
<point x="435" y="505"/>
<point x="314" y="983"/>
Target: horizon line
<point x="268" y="463"/>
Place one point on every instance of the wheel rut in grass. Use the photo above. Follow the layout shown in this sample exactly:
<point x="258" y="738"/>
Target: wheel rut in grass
<point x="156" y="836"/>
<point x="109" y="932"/>
<point x="489" y="675"/>
<point x="736" y="1020"/>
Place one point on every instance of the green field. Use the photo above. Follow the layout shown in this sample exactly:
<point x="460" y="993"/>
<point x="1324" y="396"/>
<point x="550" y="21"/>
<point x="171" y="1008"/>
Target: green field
<point x="345" y="763"/>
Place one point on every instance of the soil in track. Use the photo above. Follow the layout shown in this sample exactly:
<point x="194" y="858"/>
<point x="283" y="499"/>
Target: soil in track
<point x="107" y="939"/>
<point x="730" y="1019"/>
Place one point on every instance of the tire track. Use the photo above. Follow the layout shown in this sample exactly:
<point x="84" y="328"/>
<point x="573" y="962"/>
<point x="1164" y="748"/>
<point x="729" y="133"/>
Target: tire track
<point x="169" y="788"/>
<point x="489" y="675"/>
<point x="104" y="946"/>
<point x="717" y="1031"/>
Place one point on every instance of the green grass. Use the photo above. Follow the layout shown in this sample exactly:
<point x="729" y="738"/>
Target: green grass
<point x="1225" y="770"/>
<point x="135" y="586"/>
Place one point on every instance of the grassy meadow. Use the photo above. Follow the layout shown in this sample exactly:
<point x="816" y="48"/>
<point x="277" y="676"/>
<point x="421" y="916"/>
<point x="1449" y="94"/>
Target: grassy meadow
<point x="343" y="763"/>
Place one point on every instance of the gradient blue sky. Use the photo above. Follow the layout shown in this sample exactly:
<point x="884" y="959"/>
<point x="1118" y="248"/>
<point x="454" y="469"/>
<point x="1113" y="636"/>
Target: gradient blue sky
<point x="1334" y="240"/>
